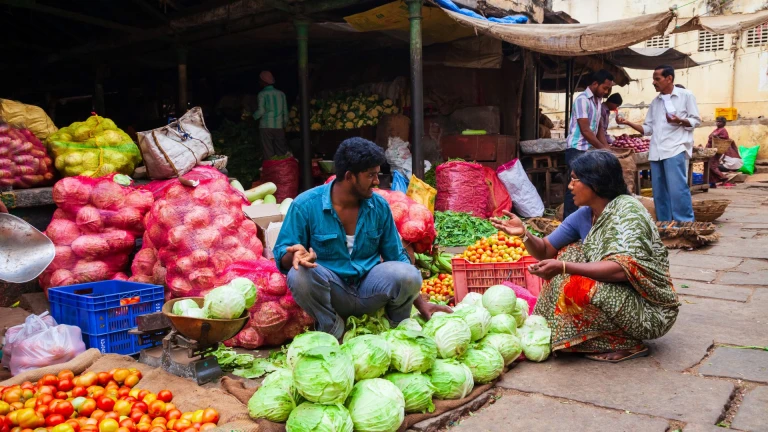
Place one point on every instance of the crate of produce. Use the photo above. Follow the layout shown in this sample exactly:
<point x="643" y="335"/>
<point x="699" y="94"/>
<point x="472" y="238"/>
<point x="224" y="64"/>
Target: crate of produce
<point x="119" y="342"/>
<point x="104" y="307"/>
<point x="469" y="277"/>
<point x="730" y="114"/>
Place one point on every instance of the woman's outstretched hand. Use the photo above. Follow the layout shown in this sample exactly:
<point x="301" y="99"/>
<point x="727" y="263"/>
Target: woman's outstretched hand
<point x="512" y="226"/>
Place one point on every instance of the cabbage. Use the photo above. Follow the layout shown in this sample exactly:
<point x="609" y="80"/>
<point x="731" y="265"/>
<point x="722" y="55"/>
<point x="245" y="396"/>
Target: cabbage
<point x="324" y="375"/>
<point x="411" y="351"/>
<point x="279" y="375"/>
<point x="500" y="299"/>
<point x="409" y="324"/>
<point x="535" y="322"/>
<point x="305" y="342"/>
<point x="507" y="345"/>
<point x="195" y="313"/>
<point x="247" y="288"/>
<point x="521" y="312"/>
<point x="369" y="354"/>
<point x="274" y="400"/>
<point x="451" y="334"/>
<point x="376" y="405"/>
<point x="451" y="379"/>
<point x="485" y="362"/>
<point x="309" y="417"/>
<point x="478" y="319"/>
<point x="536" y="343"/>
<point x="417" y="390"/>
<point x="224" y="302"/>
<point x="181" y="306"/>
<point x="503" y="323"/>
<point x="471" y="299"/>
<point x="415" y="314"/>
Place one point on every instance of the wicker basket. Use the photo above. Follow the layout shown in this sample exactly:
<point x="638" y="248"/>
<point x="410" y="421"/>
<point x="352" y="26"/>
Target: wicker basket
<point x="704" y="153"/>
<point x="709" y="210"/>
<point x="217" y="161"/>
<point x="722" y="145"/>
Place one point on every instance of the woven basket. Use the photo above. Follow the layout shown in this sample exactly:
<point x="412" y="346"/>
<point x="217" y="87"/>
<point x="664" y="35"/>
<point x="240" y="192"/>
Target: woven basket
<point x="217" y="161"/>
<point x="704" y="153"/>
<point x="721" y="145"/>
<point x="709" y="210"/>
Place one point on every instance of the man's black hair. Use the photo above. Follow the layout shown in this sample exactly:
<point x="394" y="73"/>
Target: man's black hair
<point x="721" y="119"/>
<point x="357" y="155"/>
<point x="615" y="99"/>
<point x="680" y="86"/>
<point x="666" y="71"/>
<point x="601" y="76"/>
<point x="601" y="171"/>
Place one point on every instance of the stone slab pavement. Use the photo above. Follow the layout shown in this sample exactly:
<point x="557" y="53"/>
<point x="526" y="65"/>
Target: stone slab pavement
<point x="714" y="291"/>
<point x="753" y="413"/>
<point x="744" y="364"/>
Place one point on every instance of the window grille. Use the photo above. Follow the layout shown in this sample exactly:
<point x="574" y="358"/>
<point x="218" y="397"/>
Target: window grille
<point x="711" y="41"/>
<point x="757" y="36"/>
<point x="657" y="42"/>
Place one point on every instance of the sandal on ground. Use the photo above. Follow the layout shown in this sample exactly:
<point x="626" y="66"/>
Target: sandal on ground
<point x="633" y="355"/>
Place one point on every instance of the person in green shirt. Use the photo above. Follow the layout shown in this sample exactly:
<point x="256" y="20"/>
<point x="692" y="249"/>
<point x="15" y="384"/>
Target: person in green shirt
<point x="272" y="116"/>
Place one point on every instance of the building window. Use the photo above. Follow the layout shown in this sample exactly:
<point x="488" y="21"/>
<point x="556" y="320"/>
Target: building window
<point x="657" y="42"/>
<point x="711" y="41"/>
<point x="757" y="36"/>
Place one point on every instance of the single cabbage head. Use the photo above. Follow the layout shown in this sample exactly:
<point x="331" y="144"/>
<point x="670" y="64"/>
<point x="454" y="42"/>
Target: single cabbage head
<point x="503" y="323"/>
<point x="416" y="315"/>
<point x="376" y="405"/>
<point x="310" y="417"/>
<point x="409" y="324"/>
<point x="536" y="343"/>
<point x="451" y="379"/>
<point x="307" y="341"/>
<point x="225" y="302"/>
<point x="417" y="390"/>
<point x="521" y="313"/>
<point x="274" y="400"/>
<point x="182" y="305"/>
<point x="509" y="346"/>
<point x="324" y="375"/>
<point x="500" y="299"/>
<point x="478" y="319"/>
<point x="247" y="288"/>
<point x="369" y="354"/>
<point x="536" y="322"/>
<point x="281" y="375"/>
<point x="195" y="313"/>
<point x="472" y="299"/>
<point x="485" y="362"/>
<point x="451" y="334"/>
<point x="411" y="351"/>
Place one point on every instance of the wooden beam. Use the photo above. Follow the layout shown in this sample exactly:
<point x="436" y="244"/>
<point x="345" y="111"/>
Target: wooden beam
<point x="74" y="16"/>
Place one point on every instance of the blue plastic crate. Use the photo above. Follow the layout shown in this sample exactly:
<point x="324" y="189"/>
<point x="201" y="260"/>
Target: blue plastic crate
<point x="698" y="178"/>
<point x="96" y="309"/>
<point x="115" y="343"/>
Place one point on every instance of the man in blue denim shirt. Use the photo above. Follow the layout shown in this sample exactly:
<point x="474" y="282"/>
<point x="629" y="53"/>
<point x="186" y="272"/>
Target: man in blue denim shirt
<point x="332" y="243"/>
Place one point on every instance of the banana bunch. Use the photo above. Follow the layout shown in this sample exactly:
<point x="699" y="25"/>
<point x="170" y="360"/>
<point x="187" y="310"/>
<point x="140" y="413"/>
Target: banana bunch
<point x="435" y="264"/>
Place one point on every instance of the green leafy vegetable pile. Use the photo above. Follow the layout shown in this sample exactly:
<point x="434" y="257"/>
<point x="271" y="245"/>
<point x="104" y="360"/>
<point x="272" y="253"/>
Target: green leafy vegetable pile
<point x="241" y="142"/>
<point x="460" y="229"/>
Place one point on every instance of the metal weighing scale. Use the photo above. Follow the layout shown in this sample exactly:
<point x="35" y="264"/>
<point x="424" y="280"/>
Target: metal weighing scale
<point x="186" y="342"/>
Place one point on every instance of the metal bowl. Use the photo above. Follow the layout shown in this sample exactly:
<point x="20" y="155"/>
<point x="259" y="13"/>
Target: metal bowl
<point x="24" y="251"/>
<point x="327" y="166"/>
<point x="192" y="328"/>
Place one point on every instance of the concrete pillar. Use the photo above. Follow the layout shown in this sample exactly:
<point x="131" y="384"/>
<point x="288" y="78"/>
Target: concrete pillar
<point x="417" y="87"/>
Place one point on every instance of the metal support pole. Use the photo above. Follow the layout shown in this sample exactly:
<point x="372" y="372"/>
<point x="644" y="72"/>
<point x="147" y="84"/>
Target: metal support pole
<point x="302" y="36"/>
<point x="568" y="95"/>
<point x="529" y="129"/>
<point x="417" y="87"/>
<point x="183" y="99"/>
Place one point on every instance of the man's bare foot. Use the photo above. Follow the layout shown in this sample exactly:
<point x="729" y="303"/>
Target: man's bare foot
<point x="621" y="355"/>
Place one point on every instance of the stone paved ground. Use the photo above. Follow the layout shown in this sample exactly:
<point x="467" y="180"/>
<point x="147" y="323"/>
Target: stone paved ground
<point x="693" y="379"/>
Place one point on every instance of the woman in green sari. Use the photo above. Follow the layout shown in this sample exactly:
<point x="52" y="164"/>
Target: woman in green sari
<point x="608" y="285"/>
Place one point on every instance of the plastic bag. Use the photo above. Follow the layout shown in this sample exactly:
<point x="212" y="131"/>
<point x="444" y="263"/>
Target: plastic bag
<point x="31" y="117"/>
<point x="524" y="195"/>
<point x="523" y="294"/>
<point x="44" y="345"/>
<point x="461" y="188"/>
<point x="749" y="156"/>
<point x="94" y="229"/>
<point x="498" y="197"/>
<point x="414" y="221"/>
<point x="284" y="174"/>
<point x="422" y="193"/>
<point x="24" y="162"/>
<point x="22" y="331"/>
<point x="275" y="317"/>
<point x="399" y="182"/>
<point x="93" y="148"/>
<point x="399" y="156"/>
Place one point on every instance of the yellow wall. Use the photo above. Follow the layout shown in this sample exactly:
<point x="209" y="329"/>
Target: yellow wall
<point x="711" y="84"/>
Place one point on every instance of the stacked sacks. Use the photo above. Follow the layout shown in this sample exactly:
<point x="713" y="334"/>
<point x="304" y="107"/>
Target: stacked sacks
<point x="414" y="221"/>
<point x="24" y="162"/>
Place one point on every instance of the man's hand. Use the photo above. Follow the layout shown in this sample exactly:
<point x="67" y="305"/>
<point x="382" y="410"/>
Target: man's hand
<point x="302" y="257"/>
<point x="671" y="118"/>
<point x="547" y="269"/>
<point x="621" y="120"/>
<point x="512" y="226"/>
<point x="428" y="309"/>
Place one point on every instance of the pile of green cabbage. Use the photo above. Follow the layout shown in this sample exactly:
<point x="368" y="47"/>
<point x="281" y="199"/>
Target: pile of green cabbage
<point x="225" y="302"/>
<point x="535" y="336"/>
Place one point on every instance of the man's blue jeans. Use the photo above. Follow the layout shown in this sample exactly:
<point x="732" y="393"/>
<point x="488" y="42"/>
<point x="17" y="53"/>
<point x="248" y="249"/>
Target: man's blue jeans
<point x="671" y="194"/>
<point x="329" y="300"/>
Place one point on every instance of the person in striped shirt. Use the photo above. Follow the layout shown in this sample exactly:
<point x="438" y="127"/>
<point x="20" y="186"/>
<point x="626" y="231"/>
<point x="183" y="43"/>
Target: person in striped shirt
<point x="273" y="116"/>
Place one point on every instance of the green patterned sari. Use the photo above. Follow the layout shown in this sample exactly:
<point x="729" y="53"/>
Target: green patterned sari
<point x="590" y="316"/>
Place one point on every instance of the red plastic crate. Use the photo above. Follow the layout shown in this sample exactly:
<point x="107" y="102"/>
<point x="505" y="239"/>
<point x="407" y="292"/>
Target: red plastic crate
<point x="469" y="277"/>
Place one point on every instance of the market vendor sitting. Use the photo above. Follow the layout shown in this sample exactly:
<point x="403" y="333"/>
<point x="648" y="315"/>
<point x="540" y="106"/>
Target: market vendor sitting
<point x="608" y="284"/>
<point x="730" y="161"/>
<point x="332" y="243"/>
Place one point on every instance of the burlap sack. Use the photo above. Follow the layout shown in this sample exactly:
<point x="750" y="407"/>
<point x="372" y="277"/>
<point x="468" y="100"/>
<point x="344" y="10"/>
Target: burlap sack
<point x="77" y="365"/>
<point x="628" y="165"/>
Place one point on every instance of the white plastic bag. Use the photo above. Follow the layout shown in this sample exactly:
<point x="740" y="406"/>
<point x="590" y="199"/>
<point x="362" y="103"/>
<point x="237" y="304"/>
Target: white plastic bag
<point x="399" y="157"/>
<point x="45" y="345"/>
<point x="32" y="324"/>
<point x="525" y="197"/>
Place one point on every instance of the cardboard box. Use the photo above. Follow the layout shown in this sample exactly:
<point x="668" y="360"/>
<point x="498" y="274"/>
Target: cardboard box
<point x="263" y="215"/>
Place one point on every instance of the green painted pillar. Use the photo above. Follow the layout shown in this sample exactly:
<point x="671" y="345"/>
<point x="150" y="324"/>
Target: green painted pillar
<point x="302" y="36"/>
<point x="417" y="87"/>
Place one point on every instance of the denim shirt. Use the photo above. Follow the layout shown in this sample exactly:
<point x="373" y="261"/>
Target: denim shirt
<point x="313" y="222"/>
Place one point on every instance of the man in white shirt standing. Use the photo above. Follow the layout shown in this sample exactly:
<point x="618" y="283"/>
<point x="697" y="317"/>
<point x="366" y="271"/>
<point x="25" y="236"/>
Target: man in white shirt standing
<point x="670" y="121"/>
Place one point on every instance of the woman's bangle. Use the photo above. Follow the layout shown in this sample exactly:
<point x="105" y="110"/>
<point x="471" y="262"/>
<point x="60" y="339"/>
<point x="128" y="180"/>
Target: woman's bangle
<point x="524" y="238"/>
<point x="563" y="268"/>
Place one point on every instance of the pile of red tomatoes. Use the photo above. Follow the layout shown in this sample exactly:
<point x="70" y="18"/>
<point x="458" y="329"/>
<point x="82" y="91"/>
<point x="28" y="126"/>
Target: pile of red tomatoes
<point x="95" y="402"/>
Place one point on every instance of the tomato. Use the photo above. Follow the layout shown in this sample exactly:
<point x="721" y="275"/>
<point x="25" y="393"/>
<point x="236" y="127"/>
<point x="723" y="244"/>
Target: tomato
<point x="79" y="391"/>
<point x="127" y="423"/>
<point x="136" y="415"/>
<point x="158" y="429"/>
<point x="122" y="407"/>
<point x="54" y="419"/>
<point x="63" y="427"/>
<point x="74" y="424"/>
<point x="87" y="408"/>
<point x="48" y="380"/>
<point x="123" y="429"/>
<point x="157" y="408"/>
<point x="165" y="395"/>
<point x="141" y="406"/>
<point x="108" y="425"/>
<point x="111" y="415"/>
<point x="131" y="381"/>
<point x="12" y="395"/>
<point x="98" y="415"/>
<point x="123" y="392"/>
<point x="28" y="418"/>
<point x="121" y="374"/>
<point x="182" y="424"/>
<point x="149" y="398"/>
<point x="210" y="415"/>
<point x="207" y="426"/>
<point x="145" y="419"/>
<point x="189" y="429"/>
<point x="65" y="408"/>
<point x="187" y="416"/>
<point x="29" y="393"/>
<point x="88" y="379"/>
<point x="197" y="416"/>
<point x="5" y="408"/>
<point x="159" y="421"/>
<point x="65" y="385"/>
<point x="143" y="427"/>
<point x="105" y="403"/>
<point x="141" y="395"/>
<point x="172" y="414"/>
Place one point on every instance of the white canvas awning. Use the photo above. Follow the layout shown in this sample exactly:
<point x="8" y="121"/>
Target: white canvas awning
<point x="724" y="24"/>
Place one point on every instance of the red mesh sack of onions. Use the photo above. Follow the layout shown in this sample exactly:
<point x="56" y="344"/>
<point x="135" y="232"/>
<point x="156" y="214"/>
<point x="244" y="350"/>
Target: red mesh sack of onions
<point x="275" y="317"/>
<point x="24" y="162"/>
<point x="461" y="188"/>
<point x="94" y="229"/>
<point x="414" y="221"/>
<point x="284" y="173"/>
<point x="193" y="234"/>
